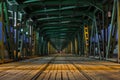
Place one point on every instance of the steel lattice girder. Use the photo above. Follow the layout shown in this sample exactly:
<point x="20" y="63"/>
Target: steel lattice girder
<point x="65" y="2"/>
<point x="60" y="18"/>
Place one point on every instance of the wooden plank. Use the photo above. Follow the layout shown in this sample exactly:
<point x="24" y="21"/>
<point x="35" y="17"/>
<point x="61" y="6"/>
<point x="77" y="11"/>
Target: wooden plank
<point x="58" y="76"/>
<point x="13" y="75"/>
<point x="41" y="77"/>
<point x="64" y="75"/>
<point x="79" y="76"/>
<point x="43" y="74"/>
<point x="20" y="75"/>
<point x="54" y="72"/>
<point x="33" y="72"/>
<point x="94" y="69"/>
<point x="70" y="75"/>
<point x="47" y="76"/>
<point x="64" y="72"/>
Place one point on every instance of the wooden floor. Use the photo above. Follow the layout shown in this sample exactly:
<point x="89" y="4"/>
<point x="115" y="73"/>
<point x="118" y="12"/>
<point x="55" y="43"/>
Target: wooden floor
<point x="60" y="67"/>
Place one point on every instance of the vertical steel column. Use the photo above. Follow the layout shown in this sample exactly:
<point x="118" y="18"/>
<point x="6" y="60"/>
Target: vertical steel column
<point x="76" y="46"/>
<point x="45" y="48"/>
<point x="16" y="27"/>
<point x="42" y="45"/>
<point x="111" y="27"/>
<point x="44" y="42"/>
<point x="86" y="39"/>
<point x="2" y="19"/>
<point x="1" y="28"/>
<point x="7" y="31"/>
<point x="78" y="43"/>
<point x="82" y="41"/>
<point x="34" y="46"/>
<point x="118" y="22"/>
<point x="40" y="39"/>
<point x="91" y="36"/>
<point x="96" y="30"/>
<point x="104" y="36"/>
<point x="31" y="36"/>
<point x="69" y="48"/>
<point x="48" y="47"/>
<point x="94" y="44"/>
<point x="73" y="46"/>
<point x="38" y="43"/>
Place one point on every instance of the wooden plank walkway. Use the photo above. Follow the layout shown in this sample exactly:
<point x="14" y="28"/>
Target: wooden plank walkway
<point x="62" y="67"/>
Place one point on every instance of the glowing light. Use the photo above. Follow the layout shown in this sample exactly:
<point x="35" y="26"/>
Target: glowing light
<point x="26" y="33"/>
<point x="21" y="30"/>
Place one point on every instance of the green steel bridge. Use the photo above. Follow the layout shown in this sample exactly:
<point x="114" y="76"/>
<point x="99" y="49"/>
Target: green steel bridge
<point x="59" y="39"/>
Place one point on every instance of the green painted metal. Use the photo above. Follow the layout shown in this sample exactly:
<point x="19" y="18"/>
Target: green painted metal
<point x="118" y="21"/>
<point x="58" y="20"/>
<point x="51" y="10"/>
<point x="65" y="2"/>
<point x="96" y="32"/>
<point x="62" y="17"/>
<point x="78" y="37"/>
<point x="111" y="27"/>
<point x="91" y="36"/>
<point x="28" y="1"/>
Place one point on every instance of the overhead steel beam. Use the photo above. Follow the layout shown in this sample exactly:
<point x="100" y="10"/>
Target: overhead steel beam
<point x="58" y="34"/>
<point x="90" y="15"/>
<point x="62" y="31"/>
<point x="61" y="24"/>
<point x="56" y="11"/>
<point x="58" y="27"/>
<point x="56" y="31"/>
<point x="68" y="36"/>
<point x="79" y="19"/>
<point x="52" y="10"/>
<point x="64" y="22"/>
<point x="65" y="36"/>
<point x="66" y="2"/>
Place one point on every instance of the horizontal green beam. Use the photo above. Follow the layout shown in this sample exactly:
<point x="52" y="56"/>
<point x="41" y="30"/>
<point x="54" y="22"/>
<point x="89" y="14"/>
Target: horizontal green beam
<point x="56" y="27"/>
<point x="52" y="10"/>
<point x="64" y="22"/>
<point x="61" y="24"/>
<point x="57" y="36"/>
<point x="62" y="11"/>
<point x="90" y="15"/>
<point x="74" y="25"/>
<point x="59" y="30"/>
<point x="56" y="31"/>
<point x="65" y="2"/>
<point x="31" y="1"/>
<point x="78" y="19"/>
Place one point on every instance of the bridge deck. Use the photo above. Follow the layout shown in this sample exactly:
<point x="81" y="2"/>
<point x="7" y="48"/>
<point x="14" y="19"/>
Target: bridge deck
<point x="60" y="67"/>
